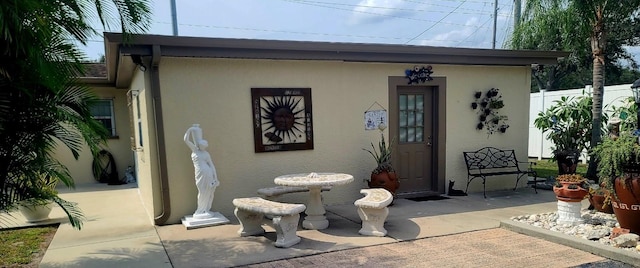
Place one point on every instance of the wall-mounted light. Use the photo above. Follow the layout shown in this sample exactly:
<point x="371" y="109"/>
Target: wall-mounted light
<point x="137" y="60"/>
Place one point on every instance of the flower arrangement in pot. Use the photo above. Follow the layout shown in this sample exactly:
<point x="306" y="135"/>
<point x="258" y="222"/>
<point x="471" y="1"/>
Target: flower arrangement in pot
<point x="383" y="176"/>
<point x="619" y="172"/>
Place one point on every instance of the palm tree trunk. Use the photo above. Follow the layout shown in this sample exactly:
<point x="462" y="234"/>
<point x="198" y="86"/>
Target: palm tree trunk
<point x="598" y="40"/>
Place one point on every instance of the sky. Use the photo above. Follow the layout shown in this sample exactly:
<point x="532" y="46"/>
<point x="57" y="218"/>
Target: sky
<point x="449" y="23"/>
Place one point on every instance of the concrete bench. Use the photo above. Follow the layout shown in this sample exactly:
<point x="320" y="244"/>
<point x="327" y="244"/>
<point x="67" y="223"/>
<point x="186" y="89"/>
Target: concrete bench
<point x="250" y="212"/>
<point x="373" y="211"/>
<point x="272" y="193"/>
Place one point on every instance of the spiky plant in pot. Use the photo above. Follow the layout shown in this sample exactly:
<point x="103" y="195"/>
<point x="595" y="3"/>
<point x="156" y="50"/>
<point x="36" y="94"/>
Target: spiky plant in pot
<point x="383" y="176"/>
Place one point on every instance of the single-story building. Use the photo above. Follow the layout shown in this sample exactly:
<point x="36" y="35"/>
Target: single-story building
<point x="333" y="94"/>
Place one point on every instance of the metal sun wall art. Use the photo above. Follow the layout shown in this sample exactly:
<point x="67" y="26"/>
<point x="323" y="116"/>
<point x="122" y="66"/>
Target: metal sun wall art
<point x="488" y="106"/>
<point x="419" y="74"/>
<point x="282" y="119"/>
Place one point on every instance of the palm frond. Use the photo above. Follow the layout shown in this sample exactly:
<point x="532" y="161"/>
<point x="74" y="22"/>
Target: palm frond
<point x="74" y="214"/>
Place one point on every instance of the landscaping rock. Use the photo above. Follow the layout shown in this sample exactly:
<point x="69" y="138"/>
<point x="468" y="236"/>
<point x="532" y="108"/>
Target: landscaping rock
<point x="626" y="241"/>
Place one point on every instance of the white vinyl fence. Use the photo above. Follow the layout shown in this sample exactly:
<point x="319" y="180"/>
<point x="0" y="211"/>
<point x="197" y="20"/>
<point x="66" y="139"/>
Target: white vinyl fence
<point x="539" y="146"/>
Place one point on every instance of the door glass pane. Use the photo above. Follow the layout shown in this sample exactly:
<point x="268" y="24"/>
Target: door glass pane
<point x="411" y="134"/>
<point x="403" y="118"/>
<point x="403" y="134"/>
<point x="403" y="102"/>
<point x="419" y="119"/>
<point x="411" y="118"/>
<point x="411" y="102"/>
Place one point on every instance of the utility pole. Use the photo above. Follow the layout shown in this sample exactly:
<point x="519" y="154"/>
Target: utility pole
<point x="174" y="17"/>
<point x="495" y="23"/>
<point x="517" y="9"/>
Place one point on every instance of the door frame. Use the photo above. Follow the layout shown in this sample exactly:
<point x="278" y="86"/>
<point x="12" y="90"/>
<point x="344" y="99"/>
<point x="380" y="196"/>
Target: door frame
<point x="439" y="124"/>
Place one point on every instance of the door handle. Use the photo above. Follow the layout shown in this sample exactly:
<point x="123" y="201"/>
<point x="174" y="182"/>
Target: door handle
<point x="429" y="141"/>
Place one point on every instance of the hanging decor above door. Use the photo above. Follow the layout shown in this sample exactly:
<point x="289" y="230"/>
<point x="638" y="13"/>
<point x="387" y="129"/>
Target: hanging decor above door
<point x="419" y="74"/>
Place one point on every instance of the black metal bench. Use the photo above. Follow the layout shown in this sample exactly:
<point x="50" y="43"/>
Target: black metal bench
<point x="490" y="161"/>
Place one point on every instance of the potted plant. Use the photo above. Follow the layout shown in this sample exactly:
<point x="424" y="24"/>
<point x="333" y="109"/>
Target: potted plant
<point x="619" y="172"/>
<point x="38" y="206"/>
<point x="383" y="176"/>
<point x="571" y="187"/>
<point x="37" y="193"/>
<point x="568" y="126"/>
<point x="600" y="198"/>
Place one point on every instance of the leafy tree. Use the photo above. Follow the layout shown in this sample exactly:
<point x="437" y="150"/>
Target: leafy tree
<point x="41" y="103"/>
<point x="603" y="26"/>
<point x="555" y="25"/>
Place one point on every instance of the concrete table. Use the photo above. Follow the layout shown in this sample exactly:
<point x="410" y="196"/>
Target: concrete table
<point x="315" y="218"/>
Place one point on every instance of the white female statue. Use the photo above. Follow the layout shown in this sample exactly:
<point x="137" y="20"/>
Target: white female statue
<point x="205" y="171"/>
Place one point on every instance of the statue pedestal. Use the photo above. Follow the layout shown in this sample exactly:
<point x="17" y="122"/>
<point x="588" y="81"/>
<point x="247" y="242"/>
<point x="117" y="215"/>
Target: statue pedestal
<point x="214" y="218"/>
<point x="569" y="213"/>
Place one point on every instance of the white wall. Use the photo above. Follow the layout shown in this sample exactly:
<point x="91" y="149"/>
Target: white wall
<point x="539" y="145"/>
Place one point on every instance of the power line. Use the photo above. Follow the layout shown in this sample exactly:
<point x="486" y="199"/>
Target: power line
<point x="372" y="13"/>
<point x="294" y="32"/>
<point x="482" y="26"/>
<point x="469" y="1"/>
<point x="472" y="11"/>
<point x="435" y="23"/>
<point x="437" y="5"/>
<point x="508" y="26"/>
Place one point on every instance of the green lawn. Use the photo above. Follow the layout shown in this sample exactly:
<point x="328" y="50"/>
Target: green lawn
<point x="546" y="168"/>
<point x="19" y="247"/>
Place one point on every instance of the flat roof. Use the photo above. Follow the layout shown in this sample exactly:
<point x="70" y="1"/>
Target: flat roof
<point x="120" y="65"/>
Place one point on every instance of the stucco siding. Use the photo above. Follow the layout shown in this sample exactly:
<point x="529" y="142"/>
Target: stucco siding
<point x="146" y="151"/>
<point x="216" y="94"/>
<point x="81" y="169"/>
<point x="461" y="119"/>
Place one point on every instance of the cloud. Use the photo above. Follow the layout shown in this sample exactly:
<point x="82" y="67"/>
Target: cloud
<point x="373" y="11"/>
<point x="453" y="38"/>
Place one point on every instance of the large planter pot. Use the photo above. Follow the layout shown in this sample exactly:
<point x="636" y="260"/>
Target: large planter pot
<point x="35" y="212"/>
<point x="386" y="180"/>
<point x="570" y="192"/>
<point x="597" y="201"/>
<point x="567" y="162"/>
<point x="626" y="203"/>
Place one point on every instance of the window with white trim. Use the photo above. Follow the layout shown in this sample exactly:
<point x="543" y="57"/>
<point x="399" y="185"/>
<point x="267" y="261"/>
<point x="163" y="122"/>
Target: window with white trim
<point x="102" y="110"/>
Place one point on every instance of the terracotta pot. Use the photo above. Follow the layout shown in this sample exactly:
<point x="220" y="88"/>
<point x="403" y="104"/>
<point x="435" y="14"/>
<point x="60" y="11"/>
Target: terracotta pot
<point x="386" y="180"/>
<point x="597" y="200"/>
<point x="626" y="204"/>
<point x="567" y="194"/>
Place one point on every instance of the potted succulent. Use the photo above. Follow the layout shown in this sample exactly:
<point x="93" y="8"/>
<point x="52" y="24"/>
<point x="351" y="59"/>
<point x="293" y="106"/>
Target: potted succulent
<point x="383" y="176"/>
<point x="568" y="126"/>
<point x="571" y="187"/>
<point x="619" y="172"/>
